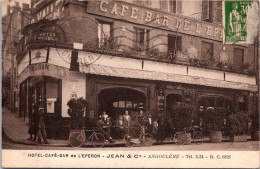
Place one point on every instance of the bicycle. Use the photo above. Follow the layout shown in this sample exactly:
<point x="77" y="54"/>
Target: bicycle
<point x="181" y="138"/>
<point x="197" y="135"/>
<point x="145" y="139"/>
<point x="78" y="138"/>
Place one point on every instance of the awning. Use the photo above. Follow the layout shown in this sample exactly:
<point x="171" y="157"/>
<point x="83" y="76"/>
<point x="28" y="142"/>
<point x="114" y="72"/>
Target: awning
<point x="149" y="70"/>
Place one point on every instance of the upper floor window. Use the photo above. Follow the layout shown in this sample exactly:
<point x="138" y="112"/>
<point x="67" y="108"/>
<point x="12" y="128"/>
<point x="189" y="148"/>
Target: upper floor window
<point x="164" y="5"/>
<point x="207" y="10"/>
<point x="174" y="44"/>
<point x="175" y="6"/>
<point x="142" y="38"/>
<point x="218" y="15"/>
<point x="206" y="50"/>
<point x="104" y="34"/>
<point x="238" y="56"/>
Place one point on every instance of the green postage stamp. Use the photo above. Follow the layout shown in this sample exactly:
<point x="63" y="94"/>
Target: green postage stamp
<point x="240" y="21"/>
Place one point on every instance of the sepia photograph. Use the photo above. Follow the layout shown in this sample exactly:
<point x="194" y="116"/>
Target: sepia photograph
<point x="130" y="83"/>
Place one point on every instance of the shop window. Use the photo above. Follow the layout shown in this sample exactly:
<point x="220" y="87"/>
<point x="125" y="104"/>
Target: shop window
<point x="124" y="104"/>
<point x="174" y="44"/>
<point x="207" y="10"/>
<point x="104" y="34"/>
<point x="238" y="56"/>
<point x="52" y="96"/>
<point x="142" y="38"/>
<point x="206" y="50"/>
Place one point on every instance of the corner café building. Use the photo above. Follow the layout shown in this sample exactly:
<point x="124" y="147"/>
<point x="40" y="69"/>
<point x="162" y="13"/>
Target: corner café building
<point x="53" y="65"/>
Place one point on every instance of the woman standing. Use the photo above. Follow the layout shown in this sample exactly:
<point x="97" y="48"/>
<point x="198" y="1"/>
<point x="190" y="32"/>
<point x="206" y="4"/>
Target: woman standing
<point x="235" y="21"/>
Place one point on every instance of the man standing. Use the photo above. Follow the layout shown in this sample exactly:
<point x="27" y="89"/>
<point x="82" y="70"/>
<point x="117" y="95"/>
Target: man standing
<point x="41" y="133"/>
<point x="127" y="119"/>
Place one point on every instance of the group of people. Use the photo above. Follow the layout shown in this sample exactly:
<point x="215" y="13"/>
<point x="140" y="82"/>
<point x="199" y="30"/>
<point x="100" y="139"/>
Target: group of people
<point x="141" y="123"/>
<point x="37" y="126"/>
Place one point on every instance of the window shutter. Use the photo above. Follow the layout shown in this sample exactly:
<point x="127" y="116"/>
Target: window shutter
<point x="164" y="5"/>
<point x="219" y="12"/>
<point x="179" y="6"/>
<point x="205" y="10"/>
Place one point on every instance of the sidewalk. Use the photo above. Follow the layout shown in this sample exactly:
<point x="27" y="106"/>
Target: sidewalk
<point x="16" y="130"/>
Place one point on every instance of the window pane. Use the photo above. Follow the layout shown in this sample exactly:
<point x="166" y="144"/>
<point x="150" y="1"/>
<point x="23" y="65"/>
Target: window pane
<point x="174" y="44"/>
<point x="106" y="29"/>
<point x="173" y="6"/>
<point x="238" y="56"/>
<point x="206" y="50"/>
<point x="129" y="104"/>
<point x="142" y="38"/>
<point x="104" y="35"/>
<point x="121" y="104"/>
<point x="115" y="104"/>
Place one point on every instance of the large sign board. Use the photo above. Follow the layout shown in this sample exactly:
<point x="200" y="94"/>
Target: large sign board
<point x="147" y="16"/>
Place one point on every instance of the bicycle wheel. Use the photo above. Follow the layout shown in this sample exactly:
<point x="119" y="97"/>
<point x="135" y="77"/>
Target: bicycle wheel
<point x="147" y="140"/>
<point x="76" y="139"/>
<point x="128" y="140"/>
<point x="98" y="140"/>
<point x="198" y="137"/>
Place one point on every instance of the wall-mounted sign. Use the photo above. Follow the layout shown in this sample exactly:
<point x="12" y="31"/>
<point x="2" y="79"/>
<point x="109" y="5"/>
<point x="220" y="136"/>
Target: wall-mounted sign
<point x="42" y="32"/>
<point x="38" y="67"/>
<point x="140" y="15"/>
<point x="38" y="56"/>
<point x="52" y="11"/>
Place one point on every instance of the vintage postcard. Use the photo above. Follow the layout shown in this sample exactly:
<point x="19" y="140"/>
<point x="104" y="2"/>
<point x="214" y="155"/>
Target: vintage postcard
<point x="130" y="83"/>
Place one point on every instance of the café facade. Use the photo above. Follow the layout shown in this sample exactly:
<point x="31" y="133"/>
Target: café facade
<point x="127" y="55"/>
